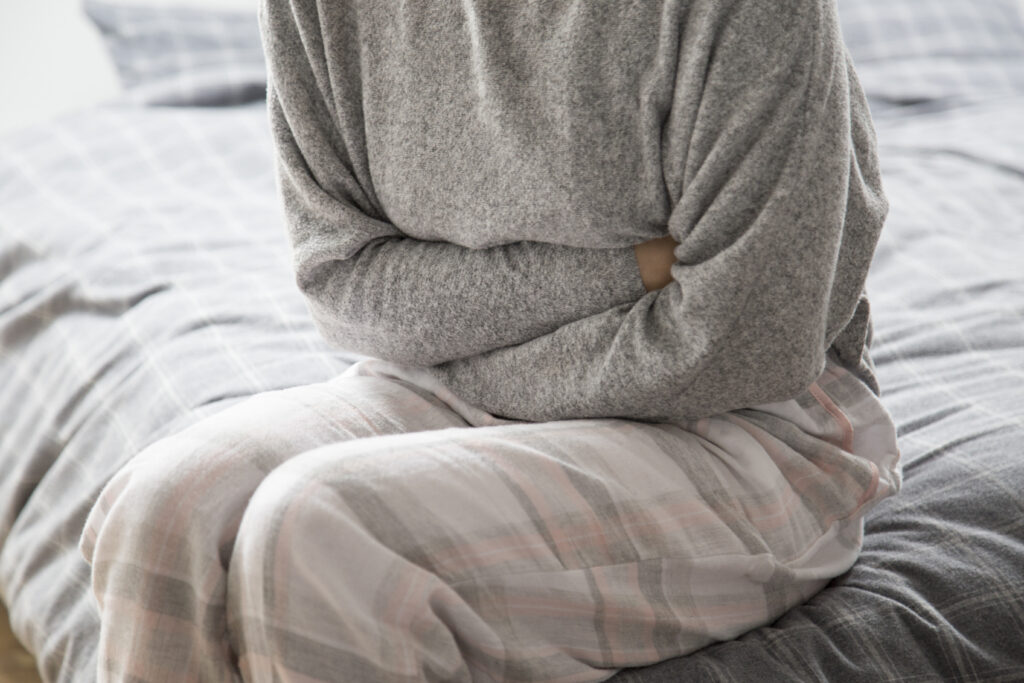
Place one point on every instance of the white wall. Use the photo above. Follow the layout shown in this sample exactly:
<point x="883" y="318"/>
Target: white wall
<point x="52" y="60"/>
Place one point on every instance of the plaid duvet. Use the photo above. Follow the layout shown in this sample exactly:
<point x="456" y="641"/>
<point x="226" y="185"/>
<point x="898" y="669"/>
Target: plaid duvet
<point x="144" y="285"/>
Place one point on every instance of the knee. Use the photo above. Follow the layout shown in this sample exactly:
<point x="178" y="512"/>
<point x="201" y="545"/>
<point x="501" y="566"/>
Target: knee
<point x="346" y="504"/>
<point x="303" y="561"/>
<point x="182" y="485"/>
<point x="280" y="510"/>
<point x="283" y="533"/>
<point x="312" y="514"/>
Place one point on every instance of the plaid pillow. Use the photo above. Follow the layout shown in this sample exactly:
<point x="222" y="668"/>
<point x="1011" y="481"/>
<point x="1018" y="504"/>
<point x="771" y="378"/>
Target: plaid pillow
<point x="906" y="51"/>
<point x="909" y="51"/>
<point x="175" y="54"/>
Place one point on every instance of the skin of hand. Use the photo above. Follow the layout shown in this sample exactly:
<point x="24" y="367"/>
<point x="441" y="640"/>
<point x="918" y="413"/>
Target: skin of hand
<point x="655" y="257"/>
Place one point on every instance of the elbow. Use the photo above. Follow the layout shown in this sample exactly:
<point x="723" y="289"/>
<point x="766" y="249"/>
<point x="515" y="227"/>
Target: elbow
<point x="356" y="329"/>
<point x="354" y="333"/>
<point x="349" y="317"/>
<point x="806" y="371"/>
<point x="780" y="371"/>
<point x="799" y="366"/>
<point x="771" y="374"/>
<point x="333" y="307"/>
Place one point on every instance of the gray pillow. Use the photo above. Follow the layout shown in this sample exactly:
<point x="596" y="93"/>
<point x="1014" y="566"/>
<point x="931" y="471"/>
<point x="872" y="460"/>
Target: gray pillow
<point x="174" y="54"/>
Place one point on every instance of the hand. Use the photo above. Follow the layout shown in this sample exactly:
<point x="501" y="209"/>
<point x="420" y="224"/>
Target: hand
<point x="655" y="257"/>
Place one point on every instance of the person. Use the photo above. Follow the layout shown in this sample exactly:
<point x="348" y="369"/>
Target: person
<point x="606" y="264"/>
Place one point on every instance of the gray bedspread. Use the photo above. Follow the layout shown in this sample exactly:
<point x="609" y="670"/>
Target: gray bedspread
<point x="145" y="283"/>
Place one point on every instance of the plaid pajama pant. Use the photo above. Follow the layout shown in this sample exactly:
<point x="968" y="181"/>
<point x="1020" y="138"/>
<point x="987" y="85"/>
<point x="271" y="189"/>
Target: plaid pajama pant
<point x="378" y="528"/>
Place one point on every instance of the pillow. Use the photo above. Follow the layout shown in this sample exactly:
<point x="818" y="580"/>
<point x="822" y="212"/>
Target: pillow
<point x="180" y="53"/>
<point x="905" y="51"/>
<point x="910" y="51"/>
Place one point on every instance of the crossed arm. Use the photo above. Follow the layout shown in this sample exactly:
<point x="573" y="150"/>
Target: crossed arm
<point x="769" y="155"/>
<point x="374" y="290"/>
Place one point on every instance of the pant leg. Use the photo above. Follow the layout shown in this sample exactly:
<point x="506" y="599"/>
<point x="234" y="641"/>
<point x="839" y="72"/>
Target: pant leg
<point x="560" y="551"/>
<point x="160" y="536"/>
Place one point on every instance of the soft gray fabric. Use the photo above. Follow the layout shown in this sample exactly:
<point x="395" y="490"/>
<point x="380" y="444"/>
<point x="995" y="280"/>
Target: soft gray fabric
<point x="430" y="154"/>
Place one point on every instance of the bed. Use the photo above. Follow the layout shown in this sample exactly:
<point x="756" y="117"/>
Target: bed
<point x="145" y="284"/>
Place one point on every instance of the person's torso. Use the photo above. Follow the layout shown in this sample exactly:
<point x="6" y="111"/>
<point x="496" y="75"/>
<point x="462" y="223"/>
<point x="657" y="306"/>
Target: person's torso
<point x="489" y="122"/>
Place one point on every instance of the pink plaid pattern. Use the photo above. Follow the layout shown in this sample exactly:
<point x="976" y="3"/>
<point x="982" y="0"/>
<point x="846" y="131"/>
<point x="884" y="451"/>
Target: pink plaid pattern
<point x="378" y="528"/>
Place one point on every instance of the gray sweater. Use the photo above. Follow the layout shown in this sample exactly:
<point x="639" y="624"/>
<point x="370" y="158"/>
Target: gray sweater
<point x="463" y="184"/>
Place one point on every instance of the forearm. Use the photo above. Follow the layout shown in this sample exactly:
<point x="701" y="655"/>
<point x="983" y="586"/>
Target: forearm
<point x="371" y="288"/>
<point x="425" y="303"/>
<point x="658" y="359"/>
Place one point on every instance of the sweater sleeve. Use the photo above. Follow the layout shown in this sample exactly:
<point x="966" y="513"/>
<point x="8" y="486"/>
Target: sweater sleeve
<point x="372" y="289"/>
<point x="777" y="207"/>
